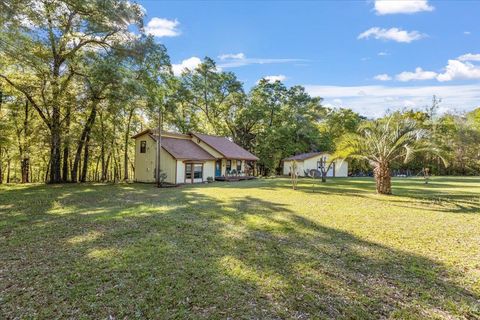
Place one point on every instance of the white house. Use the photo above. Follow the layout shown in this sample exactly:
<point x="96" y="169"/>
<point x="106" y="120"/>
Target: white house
<point x="315" y="160"/>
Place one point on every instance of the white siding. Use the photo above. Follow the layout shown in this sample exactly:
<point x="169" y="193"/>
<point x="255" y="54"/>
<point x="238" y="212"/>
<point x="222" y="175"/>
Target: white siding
<point x="208" y="170"/>
<point x="340" y="170"/>
<point x="180" y="171"/>
<point x="287" y="168"/>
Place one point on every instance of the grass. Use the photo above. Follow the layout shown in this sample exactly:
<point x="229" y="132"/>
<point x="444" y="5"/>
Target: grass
<point x="253" y="249"/>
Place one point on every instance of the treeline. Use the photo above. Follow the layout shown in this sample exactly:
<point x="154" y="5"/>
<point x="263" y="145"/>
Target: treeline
<point x="78" y="78"/>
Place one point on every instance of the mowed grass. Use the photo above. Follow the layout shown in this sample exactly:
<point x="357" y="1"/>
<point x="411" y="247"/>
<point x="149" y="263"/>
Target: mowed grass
<point x="246" y="250"/>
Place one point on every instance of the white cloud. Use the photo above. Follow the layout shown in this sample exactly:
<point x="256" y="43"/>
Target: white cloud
<point x="459" y="70"/>
<point x="469" y="57"/>
<point x="382" y="77"/>
<point x="401" y="6"/>
<point x="383" y="53"/>
<point x="233" y="60"/>
<point x="160" y="27"/>
<point x="394" y="34"/>
<point x="232" y="56"/>
<point x="466" y="33"/>
<point x="190" y="64"/>
<point x="418" y="74"/>
<point x="373" y="101"/>
<point x="272" y="79"/>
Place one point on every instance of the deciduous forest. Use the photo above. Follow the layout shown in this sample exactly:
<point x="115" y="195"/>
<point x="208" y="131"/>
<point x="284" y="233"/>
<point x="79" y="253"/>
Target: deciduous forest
<point x="79" y="78"/>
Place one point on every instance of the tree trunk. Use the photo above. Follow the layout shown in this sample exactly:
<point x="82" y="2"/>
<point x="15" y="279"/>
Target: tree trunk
<point x="105" y="170"/>
<point x="85" y="160"/>
<point x="55" y="147"/>
<point x="81" y="142"/>
<point x="382" y="178"/>
<point x="127" y="138"/>
<point x="24" y="150"/>
<point x="1" y="162"/>
<point x="25" y="169"/>
<point x="8" y="170"/>
<point x="66" y="145"/>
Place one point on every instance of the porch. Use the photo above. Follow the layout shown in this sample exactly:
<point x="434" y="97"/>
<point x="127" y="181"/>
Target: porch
<point x="234" y="169"/>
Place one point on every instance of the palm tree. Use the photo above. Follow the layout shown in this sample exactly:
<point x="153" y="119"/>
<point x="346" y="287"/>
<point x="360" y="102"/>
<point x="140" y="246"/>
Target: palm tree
<point x="382" y="142"/>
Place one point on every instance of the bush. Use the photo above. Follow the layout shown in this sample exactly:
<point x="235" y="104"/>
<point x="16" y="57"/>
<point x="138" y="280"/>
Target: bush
<point x="209" y="179"/>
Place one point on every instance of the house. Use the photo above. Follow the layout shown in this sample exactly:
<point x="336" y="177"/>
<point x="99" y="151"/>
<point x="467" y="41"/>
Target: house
<point x="315" y="160"/>
<point x="190" y="158"/>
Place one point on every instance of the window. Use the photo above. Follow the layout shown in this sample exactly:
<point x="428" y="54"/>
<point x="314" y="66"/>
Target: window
<point x="193" y="170"/>
<point x="239" y="165"/>
<point x="188" y="171"/>
<point x="229" y="165"/>
<point x="143" y="146"/>
<point x="198" y="171"/>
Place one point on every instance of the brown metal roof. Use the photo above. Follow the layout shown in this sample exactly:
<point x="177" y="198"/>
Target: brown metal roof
<point x="303" y="156"/>
<point x="184" y="149"/>
<point x="226" y="147"/>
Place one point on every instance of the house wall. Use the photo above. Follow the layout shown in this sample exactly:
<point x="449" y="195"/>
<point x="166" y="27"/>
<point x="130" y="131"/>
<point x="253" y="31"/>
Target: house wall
<point x="341" y="169"/>
<point x="312" y="163"/>
<point x="180" y="171"/>
<point x="168" y="165"/>
<point x="341" y="166"/>
<point x="207" y="148"/>
<point x="208" y="170"/>
<point x="145" y="162"/>
<point x="286" y="168"/>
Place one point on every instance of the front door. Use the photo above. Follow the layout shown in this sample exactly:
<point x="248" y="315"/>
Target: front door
<point x="218" y="168"/>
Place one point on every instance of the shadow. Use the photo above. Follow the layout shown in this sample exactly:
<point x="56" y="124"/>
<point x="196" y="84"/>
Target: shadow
<point x="441" y="194"/>
<point x="216" y="251"/>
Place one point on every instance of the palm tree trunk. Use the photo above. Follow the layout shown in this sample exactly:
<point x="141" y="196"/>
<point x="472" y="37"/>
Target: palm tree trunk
<point x="382" y="178"/>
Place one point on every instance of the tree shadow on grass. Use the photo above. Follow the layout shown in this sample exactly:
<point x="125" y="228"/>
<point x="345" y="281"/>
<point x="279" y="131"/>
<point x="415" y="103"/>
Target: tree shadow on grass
<point x="137" y="253"/>
<point x="441" y="195"/>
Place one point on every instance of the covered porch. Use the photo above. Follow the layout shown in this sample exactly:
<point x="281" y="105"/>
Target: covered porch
<point x="234" y="169"/>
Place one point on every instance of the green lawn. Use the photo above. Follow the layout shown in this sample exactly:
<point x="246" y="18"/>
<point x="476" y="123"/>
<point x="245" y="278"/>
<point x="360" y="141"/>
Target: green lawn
<point x="243" y="250"/>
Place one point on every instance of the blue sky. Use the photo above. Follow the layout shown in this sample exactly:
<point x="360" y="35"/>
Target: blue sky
<point x="366" y="55"/>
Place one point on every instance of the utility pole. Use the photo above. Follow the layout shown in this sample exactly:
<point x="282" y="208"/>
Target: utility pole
<point x="159" y="146"/>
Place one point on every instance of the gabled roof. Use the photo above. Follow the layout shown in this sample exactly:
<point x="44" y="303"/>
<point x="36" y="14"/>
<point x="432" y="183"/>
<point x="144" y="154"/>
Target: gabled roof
<point x="183" y="149"/>
<point x="226" y="147"/>
<point x="154" y="132"/>
<point x="303" y="156"/>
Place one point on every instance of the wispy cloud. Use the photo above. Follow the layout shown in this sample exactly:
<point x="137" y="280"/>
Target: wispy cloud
<point x="394" y="34"/>
<point x="469" y="57"/>
<point x="160" y="27"/>
<point x="234" y="60"/>
<point x="383" y="53"/>
<point x="418" y="74"/>
<point x="383" y="7"/>
<point x="373" y="101"/>
<point x="232" y="56"/>
<point x="382" y="77"/>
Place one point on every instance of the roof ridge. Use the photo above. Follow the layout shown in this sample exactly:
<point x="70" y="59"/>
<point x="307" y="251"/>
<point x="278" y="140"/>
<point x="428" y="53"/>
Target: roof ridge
<point x="209" y="135"/>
